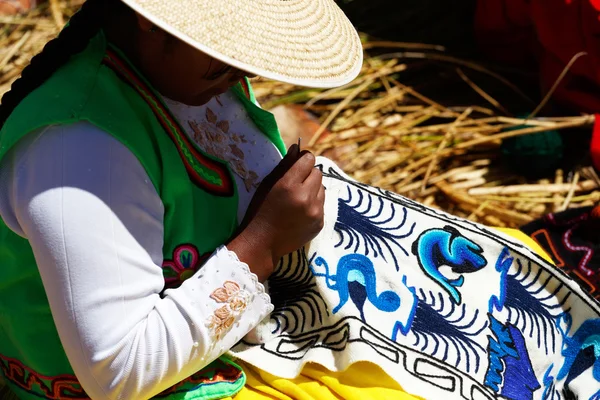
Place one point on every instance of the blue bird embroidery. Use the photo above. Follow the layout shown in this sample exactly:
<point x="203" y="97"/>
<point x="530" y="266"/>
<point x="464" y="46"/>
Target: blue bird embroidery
<point x="435" y="248"/>
<point x="355" y="280"/>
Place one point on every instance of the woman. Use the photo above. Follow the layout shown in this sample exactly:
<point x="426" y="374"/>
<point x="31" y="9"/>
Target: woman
<point x="132" y="152"/>
<point x="129" y="204"/>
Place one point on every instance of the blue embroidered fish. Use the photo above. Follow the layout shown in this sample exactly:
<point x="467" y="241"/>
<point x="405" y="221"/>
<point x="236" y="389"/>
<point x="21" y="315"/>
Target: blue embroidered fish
<point x="436" y="248"/>
<point x="510" y="373"/>
<point x="356" y="280"/>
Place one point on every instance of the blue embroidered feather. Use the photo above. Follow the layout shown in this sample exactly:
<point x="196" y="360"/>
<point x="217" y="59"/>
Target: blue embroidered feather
<point x="367" y="231"/>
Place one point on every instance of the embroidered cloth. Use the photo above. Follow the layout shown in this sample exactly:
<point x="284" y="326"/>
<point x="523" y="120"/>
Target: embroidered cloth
<point x="446" y="307"/>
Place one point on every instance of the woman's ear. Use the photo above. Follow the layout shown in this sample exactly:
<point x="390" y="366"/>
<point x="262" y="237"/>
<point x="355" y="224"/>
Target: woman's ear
<point x="144" y="24"/>
<point x="149" y="35"/>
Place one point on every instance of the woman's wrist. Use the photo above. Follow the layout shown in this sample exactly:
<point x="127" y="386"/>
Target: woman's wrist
<point x="252" y="249"/>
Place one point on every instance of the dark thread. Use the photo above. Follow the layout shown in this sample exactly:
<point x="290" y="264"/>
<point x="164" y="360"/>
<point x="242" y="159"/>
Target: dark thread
<point x="446" y="325"/>
<point x="529" y="306"/>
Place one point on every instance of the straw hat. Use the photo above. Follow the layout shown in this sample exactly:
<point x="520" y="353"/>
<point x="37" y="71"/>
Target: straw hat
<point x="303" y="42"/>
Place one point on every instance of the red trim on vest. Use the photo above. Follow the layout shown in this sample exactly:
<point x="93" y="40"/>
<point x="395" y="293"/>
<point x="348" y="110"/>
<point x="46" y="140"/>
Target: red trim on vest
<point x="246" y="88"/>
<point x="67" y="387"/>
<point x="60" y="387"/>
<point x="172" y="127"/>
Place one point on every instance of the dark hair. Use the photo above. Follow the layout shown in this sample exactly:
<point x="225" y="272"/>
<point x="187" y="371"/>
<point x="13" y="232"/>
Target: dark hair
<point x="73" y="39"/>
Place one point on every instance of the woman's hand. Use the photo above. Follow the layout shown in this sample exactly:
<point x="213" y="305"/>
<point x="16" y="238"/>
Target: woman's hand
<point x="285" y="213"/>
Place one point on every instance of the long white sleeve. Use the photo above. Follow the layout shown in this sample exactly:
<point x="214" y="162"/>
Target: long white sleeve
<point x="95" y="223"/>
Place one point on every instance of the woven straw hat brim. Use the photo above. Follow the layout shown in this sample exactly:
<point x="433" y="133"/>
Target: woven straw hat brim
<point x="303" y="42"/>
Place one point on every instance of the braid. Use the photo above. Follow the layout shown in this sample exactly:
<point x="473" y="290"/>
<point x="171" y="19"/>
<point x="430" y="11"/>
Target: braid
<point x="73" y="39"/>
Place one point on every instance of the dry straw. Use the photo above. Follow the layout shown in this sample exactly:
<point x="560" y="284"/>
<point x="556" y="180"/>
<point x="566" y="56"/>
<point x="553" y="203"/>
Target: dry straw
<point x="447" y="157"/>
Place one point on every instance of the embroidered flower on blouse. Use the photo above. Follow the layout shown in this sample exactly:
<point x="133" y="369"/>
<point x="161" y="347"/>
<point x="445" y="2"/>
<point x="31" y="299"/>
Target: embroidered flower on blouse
<point x="237" y="304"/>
<point x="186" y="261"/>
<point x="235" y="300"/>
<point x="220" y="325"/>
<point x="215" y="138"/>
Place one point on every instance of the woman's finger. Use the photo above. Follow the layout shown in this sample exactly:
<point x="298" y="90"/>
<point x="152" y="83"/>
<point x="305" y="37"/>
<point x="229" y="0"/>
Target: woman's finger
<point x="314" y="182"/>
<point x="302" y="168"/>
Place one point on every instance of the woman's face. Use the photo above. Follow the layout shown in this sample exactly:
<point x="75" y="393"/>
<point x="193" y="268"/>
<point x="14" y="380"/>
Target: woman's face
<point x="179" y="71"/>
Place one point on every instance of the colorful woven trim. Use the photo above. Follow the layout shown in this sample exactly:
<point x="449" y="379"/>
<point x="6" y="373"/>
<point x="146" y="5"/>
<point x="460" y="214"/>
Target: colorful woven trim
<point x="58" y="387"/>
<point x="570" y="238"/>
<point x="67" y="387"/>
<point x="218" y="372"/>
<point x="246" y="89"/>
<point x="185" y="262"/>
<point x="206" y="173"/>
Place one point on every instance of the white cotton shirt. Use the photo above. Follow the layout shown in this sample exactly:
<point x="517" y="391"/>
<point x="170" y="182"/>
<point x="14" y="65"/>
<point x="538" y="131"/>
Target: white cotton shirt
<point x="95" y="223"/>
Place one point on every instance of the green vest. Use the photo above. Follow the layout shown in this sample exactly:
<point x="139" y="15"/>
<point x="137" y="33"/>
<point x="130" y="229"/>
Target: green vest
<point x="198" y="192"/>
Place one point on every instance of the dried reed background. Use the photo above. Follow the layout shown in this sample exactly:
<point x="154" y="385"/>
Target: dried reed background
<point x="385" y="133"/>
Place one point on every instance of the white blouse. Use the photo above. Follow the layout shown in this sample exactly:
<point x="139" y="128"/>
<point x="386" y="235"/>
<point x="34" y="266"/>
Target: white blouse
<point x="95" y="223"/>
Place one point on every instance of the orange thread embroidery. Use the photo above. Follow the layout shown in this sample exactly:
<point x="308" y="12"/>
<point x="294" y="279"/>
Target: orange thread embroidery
<point x="234" y="300"/>
<point x="543" y="232"/>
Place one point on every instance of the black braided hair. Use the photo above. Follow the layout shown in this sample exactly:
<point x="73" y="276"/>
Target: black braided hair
<point x="83" y="26"/>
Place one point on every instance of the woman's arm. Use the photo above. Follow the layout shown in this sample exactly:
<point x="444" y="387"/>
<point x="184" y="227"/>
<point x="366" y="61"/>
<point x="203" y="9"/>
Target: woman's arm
<point x="95" y="223"/>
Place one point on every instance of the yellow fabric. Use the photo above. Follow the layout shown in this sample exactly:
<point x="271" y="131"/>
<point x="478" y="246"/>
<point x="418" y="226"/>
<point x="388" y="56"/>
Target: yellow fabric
<point x="362" y="381"/>
<point x="527" y="241"/>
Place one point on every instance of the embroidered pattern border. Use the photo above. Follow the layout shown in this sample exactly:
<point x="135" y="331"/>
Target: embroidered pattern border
<point x="208" y="174"/>
<point x="67" y="387"/>
<point x="177" y="269"/>
<point x="246" y="88"/>
<point x="58" y="387"/>
<point x="218" y="372"/>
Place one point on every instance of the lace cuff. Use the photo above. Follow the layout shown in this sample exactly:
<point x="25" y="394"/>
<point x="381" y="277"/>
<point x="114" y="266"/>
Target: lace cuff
<point x="236" y="301"/>
<point x="260" y="289"/>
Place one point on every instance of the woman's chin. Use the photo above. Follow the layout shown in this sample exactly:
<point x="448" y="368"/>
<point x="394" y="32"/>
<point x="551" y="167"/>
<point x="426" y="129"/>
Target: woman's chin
<point x="208" y="96"/>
